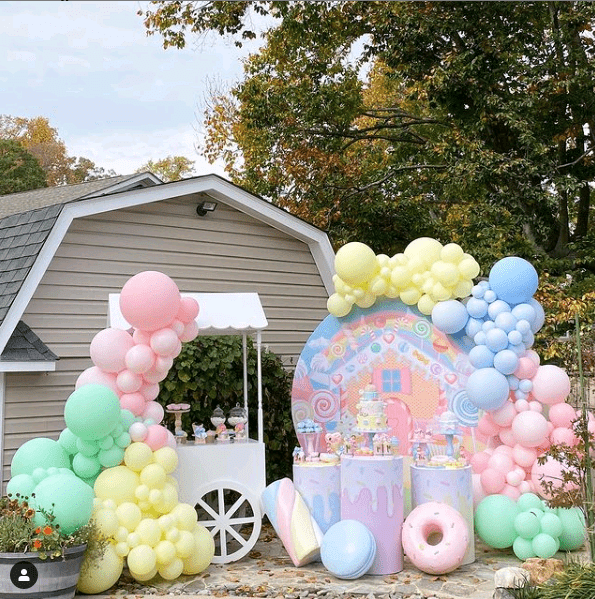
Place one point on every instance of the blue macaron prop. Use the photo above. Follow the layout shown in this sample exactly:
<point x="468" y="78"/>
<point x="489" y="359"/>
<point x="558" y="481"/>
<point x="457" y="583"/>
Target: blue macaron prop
<point x="348" y="549"/>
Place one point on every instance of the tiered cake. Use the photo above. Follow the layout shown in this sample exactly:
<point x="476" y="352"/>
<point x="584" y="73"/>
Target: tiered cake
<point x="371" y="415"/>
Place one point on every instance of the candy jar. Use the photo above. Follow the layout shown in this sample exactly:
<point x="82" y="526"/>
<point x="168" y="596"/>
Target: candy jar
<point x="237" y="418"/>
<point x="218" y="421"/>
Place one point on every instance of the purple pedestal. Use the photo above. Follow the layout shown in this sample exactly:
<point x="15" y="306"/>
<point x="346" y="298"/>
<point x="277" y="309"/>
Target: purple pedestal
<point x="372" y="493"/>
<point x="319" y="484"/>
<point x="453" y="487"/>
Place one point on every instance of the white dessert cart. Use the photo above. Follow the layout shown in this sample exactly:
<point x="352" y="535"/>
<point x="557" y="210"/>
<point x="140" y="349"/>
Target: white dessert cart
<point x="224" y="481"/>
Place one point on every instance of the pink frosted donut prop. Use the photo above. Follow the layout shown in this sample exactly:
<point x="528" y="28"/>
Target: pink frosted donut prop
<point x="435" y="538"/>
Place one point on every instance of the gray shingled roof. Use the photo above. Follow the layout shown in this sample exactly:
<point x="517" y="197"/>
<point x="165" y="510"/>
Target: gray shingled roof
<point x="25" y="346"/>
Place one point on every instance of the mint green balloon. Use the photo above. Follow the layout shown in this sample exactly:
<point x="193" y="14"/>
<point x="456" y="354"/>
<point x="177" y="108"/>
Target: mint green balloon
<point x="111" y="457"/>
<point x="551" y="525"/>
<point x="574" y="528"/>
<point x="494" y="521"/>
<point x="85" y="466"/>
<point x="69" y="499"/>
<point x="127" y="418"/>
<point x="544" y="545"/>
<point x="523" y="548"/>
<point x="92" y="412"/>
<point x="88" y="448"/>
<point x="526" y="525"/>
<point x="68" y="441"/>
<point x="38" y="453"/>
<point x="529" y="501"/>
<point x="21" y="485"/>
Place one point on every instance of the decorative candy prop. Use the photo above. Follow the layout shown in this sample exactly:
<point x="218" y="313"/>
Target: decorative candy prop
<point x="424" y="274"/>
<point x="348" y="549"/>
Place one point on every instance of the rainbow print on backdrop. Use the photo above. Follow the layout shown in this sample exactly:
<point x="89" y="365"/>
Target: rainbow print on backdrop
<point x="417" y="369"/>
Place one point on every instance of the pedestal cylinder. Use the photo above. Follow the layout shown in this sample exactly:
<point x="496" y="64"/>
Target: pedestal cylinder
<point x="319" y="484"/>
<point x="372" y="493"/>
<point x="451" y="486"/>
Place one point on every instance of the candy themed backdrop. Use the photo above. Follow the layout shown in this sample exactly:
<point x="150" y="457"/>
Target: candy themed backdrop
<point x="418" y="370"/>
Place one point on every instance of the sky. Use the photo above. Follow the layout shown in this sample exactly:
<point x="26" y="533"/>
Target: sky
<point x="113" y="93"/>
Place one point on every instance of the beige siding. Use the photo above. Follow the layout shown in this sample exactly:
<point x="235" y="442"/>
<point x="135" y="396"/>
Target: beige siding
<point x="226" y="251"/>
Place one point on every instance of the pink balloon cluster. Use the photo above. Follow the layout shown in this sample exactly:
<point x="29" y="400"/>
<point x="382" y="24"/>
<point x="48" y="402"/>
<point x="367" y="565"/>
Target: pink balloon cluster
<point x="133" y="365"/>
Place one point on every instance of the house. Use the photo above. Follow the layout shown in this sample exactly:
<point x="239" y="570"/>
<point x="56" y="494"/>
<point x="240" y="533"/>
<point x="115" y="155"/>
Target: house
<point x="63" y="250"/>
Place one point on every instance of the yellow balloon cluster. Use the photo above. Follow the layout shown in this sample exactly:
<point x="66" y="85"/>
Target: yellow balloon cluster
<point x="137" y="508"/>
<point x="425" y="273"/>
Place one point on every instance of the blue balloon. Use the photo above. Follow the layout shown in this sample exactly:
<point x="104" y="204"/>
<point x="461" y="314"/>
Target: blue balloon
<point x="488" y="325"/>
<point x="481" y="357"/>
<point x="518" y="394"/>
<point x="490" y="296"/>
<point x="478" y="290"/>
<point x="523" y="326"/>
<point x="528" y="340"/>
<point x="450" y="316"/>
<point x="487" y="389"/>
<point x="539" y="315"/>
<point x="514" y="280"/>
<point x="505" y="321"/>
<point x="477" y="308"/>
<point x="479" y="338"/>
<point x="348" y="549"/>
<point x="515" y="338"/>
<point x="524" y="312"/>
<point x="518" y="348"/>
<point x="473" y="327"/>
<point x="496" y="340"/>
<point x="513" y="382"/>
<point x="526" y="385"/>
<point x="505" y="361"/>
<point x="497" y="307"/>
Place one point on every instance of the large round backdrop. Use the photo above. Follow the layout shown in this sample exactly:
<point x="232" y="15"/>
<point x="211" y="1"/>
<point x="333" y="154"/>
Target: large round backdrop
<point x="417" y="369"/>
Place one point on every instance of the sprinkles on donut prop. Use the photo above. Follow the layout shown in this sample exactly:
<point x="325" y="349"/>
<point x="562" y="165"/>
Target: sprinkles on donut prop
<point x="435" y="538"/>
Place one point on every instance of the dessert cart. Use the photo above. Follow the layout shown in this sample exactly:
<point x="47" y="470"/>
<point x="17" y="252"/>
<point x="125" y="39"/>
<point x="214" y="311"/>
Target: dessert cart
<point x="224" y="481"/>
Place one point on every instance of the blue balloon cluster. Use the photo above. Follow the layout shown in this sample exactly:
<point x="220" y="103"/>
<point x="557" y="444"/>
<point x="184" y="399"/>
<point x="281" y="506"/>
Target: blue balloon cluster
<point x="500" y="317"/>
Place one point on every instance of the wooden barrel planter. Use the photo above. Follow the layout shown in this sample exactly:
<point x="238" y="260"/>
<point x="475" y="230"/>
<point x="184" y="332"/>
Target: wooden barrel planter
<point x="24" y="575"/>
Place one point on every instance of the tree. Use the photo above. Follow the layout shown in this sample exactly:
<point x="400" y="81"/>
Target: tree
<point x="40" y="139"/>
<point x="172" y="168"/>
<point x="19" y="169"/>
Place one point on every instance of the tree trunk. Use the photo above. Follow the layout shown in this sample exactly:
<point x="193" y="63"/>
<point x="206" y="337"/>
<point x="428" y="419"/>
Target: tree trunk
<point x="582" y="219"/>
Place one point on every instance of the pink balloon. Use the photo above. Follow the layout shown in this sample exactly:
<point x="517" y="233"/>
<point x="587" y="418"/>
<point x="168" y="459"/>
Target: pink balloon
<point x="171" y="440"/>
<point x="150" y="391"/>
<point x="504" y="416"/>
<point x="526" y="368"/>
<point x="529" y="428"/>
<point x="479" y="461"/>
<point x="510" y="491"/>
<point x="505" y="449"/>
<point x="521" y="405"/>
<point x="492" y="481"/>
<point x="156" y="436"/>
<point x="128" y="382"/>
<point x="190" y="332"/>
<point x="524" y="456"/>
<point x="164" y="363"/>
<point x="134" y="402"/>
<point x="563" y="436"/>
<point x="96" y="376"/>
<point x="138" y="431"/>
<point x="514" y="478"/>
<point x="533" y="356"/>
<point x="526" y="486"/>
<point x="551" y="471"/>
<point x="535" y="406"/>
<point x="501" y="462"/>
<point x="141" y="337"/>
<point x="551" y="385"/>
<point x="108" y="349"/>
<point x="139" y="359"/>
<point x="507" y="437"/>
<point x="164" y="341"/>
<point x="154" y="411"/>
<point x="562" y="414"/>
<point x="188" y="310"/>
<point x="177" y="350"/>
<point x="177" y="326"/>
<point x="154" y="376"/>
<point x="150" y="300"/>
<point x="486" y="426"/>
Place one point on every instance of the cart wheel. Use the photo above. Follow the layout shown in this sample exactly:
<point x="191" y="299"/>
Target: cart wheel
<point x="232" y="515"/>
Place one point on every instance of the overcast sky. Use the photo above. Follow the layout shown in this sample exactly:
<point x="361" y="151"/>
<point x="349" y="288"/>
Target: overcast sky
<point x="113" y="93"/>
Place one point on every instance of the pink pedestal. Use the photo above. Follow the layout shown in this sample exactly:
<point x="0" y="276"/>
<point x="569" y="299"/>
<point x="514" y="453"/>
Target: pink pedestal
<point x="453" y="487"/>
<point x="319" y="484"/>
<point x="372" y="493"/>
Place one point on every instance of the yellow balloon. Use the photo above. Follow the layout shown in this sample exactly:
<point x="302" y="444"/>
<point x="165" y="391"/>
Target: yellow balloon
<point x="440" y="293"/>
<point x="155" y="497"/>
<point x="133" y="540"/>
<point x="121" y="534"/>
<point x="141" y="560"/>
<point x="106" y="521"/>
<point x="425" y="304"/>
<point x="415" y="265"/>
<point x="167" y="458"/>
<point x="172" y="570"/>
<point x="446" y="273"/>
<point x="99" y="574"/>
<point x="469" y="268"/>
<point x="400" y="277"/>
<point x="356" y="263"/>
<point x="147" y="576"/>
<point x="173" y="534"/>
<point x="149" y="532"/>
<point x="392" y="292"/>
<point x="142" y="492"/>
<point x="166" y="522"/>
<point x="463" y="289"/>
<point x="169" y="501"/>
<point x="137" y="456"/>
<point x="410" y="296"/>
<point x="117" y="483"/>
<point x="185" y="544"/>
<point x="153" y="476"/>
<point x="338" y="306"/>
<point x="379" y="285"/>
<point x="185" y="515"/>
<point x="200" y="559"/>
<point x="122" y="549"/>
<point x="366" y="301"/>
<point x="129" y="515"/>
<point x="165" y="552"/>
<point x="452" y="252"/>
<point x="172" y="480"/>
<point x="425" y="249"/>
<point x="382" y="260"/>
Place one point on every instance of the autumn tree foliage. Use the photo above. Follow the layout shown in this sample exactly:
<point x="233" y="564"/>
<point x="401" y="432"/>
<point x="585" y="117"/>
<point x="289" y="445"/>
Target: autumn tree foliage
<point x="171" y="168"/>
<point x="19" y="169"/>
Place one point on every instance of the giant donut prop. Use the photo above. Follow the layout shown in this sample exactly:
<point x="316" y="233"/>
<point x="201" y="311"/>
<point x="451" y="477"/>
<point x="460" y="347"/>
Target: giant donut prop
<point x="435" y="538"/>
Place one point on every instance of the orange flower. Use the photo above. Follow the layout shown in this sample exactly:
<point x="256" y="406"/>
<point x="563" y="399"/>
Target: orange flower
<point x="38" y="530"/>
<point x="47" y="530"/>
<point x="37" y="543"/>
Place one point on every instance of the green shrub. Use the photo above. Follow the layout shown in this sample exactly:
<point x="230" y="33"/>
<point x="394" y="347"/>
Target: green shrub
<point x="209" y="373"/>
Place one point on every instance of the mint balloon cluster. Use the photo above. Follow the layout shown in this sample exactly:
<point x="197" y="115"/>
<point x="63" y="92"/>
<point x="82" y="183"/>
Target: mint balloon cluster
<point x="529" y="526"/>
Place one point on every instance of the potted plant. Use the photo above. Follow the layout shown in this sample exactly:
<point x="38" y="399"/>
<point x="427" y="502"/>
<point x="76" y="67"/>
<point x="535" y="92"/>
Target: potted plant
<point x="40" y="560"/>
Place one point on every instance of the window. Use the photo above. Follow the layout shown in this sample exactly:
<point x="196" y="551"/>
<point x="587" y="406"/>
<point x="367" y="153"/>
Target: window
<point x="391" y="381"/>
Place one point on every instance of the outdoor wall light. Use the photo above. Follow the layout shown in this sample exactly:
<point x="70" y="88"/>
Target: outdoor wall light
<point x="205" y="207"/>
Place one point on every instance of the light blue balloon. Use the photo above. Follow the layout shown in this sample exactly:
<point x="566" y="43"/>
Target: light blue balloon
<point x="478" y="291"/>
<point x="523" y="327"/>
<point x="515" y="337"/>
<point x="513" y="382"/>
<point x="496" y="340"/>
<point x="476" y="307"/>
<point x="518" y="394"/>
<point x="473" y="327"/>
<point x="506" y="361"/>
<point x="450" y="316"/>
<point x="481" y="357"/>
<point x="526" y="385"/>
<point x="487" y="389"/>
<point x="505" y="321"/>
<point x="490" y="296"/>
<point x="537" y="323"/>
<point x="524" y="312"/>
<point x="514" y="280"/>
<point x="479" y="338"/>
<point x="520" y="350"/>
<point x="497" y="307"/>
<point x="488" y="325"/>
<point x="528" y="340"/>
